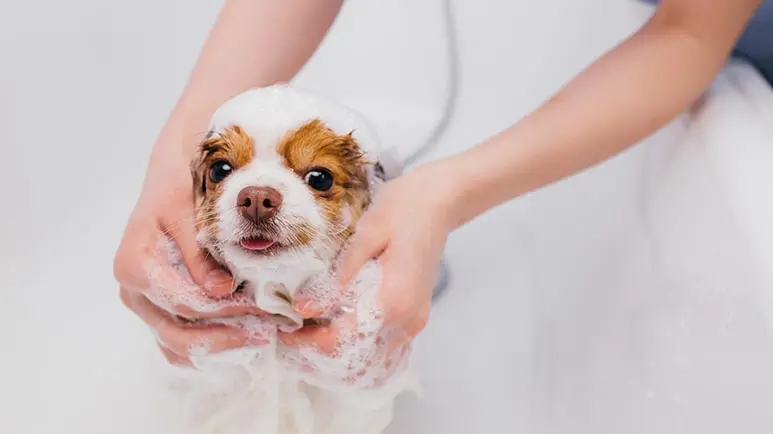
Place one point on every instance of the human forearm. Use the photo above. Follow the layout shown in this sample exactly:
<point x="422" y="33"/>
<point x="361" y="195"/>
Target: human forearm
<point x="253" y="43"/>
<point x="620" y="99"/>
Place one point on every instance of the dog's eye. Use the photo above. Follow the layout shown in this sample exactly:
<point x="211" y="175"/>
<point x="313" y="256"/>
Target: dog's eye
<point x="219" y="170"/>
<point x="319" y="179"/>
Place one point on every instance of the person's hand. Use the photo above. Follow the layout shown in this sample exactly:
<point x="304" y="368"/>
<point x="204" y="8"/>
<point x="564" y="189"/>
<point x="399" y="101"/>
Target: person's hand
<point x="164" y="277"/>
<point x="406" y="230"/>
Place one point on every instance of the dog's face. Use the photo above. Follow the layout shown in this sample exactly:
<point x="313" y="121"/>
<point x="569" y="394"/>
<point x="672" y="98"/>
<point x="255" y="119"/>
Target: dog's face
<point x="299" y="194"/>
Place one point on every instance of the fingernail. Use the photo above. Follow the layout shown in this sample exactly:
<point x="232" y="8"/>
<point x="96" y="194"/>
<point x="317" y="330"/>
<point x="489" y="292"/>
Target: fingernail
<point x="303" y="306"/>
<point x="218" y="279"/>
<point x="256" y="342"/>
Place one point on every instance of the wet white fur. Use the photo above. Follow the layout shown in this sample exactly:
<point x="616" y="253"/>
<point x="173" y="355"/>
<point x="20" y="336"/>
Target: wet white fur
<point x="287" y="270"/>
<point x="267" y="115"/>
<point x="276" y="396"/>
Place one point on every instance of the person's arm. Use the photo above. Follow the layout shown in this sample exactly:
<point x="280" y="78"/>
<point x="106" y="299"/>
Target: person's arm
<point x="623" y="97"/>
<point x="253" y="43"/>
<point x="626" y="95"/>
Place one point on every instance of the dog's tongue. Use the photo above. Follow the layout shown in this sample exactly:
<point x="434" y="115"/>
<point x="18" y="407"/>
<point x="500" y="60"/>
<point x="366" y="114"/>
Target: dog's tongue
<point x="257" y="243"/>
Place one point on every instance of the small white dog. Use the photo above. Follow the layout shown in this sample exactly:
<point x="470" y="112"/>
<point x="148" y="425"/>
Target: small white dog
<point x="280" y="182"/>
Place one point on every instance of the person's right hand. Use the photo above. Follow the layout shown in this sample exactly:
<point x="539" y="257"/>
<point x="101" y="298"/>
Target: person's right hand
<point x="153" y="281"/>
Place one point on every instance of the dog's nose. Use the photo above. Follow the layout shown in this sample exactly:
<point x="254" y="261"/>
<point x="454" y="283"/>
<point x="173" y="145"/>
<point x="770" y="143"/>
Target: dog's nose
<point x="258" y="203"/>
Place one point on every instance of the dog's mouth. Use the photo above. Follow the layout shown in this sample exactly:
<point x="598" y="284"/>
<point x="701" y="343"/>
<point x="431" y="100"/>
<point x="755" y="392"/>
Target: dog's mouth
<point x="260" y="244"/>
<point x="257" y="244"/>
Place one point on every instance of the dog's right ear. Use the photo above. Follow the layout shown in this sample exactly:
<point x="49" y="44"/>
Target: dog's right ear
<point x="197" y="169"/>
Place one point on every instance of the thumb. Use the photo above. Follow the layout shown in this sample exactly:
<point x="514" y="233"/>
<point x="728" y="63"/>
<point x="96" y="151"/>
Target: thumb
<point x="204" y="271"/>
<point x="367" y="243"/>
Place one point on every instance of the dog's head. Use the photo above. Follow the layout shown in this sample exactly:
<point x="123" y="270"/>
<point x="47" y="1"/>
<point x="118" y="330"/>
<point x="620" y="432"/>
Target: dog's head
<point x="281" y="174"/>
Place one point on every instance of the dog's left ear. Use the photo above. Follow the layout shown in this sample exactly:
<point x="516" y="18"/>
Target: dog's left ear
<point x="378" y="171"/>
<point x="376" y="176"/>
<point x="386" y="167"/>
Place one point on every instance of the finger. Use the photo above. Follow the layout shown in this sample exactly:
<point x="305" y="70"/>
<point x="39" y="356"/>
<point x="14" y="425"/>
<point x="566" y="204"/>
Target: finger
<point x="308" y="308"/>
<point x="173" y="358"/>
<point x="406" y="292"/>
<point x="131" y="256"/>
<point x="172" y="292"/>
<point x="326" y="339"/>
<point x="407" y="308"/>
<point x="184" y="339"/>
<point x="204" y="271"/>
<point x="238" y="309"/>
<point x="418" y="322"/>
<point x="323" y="338"/>
<point x="200" y="340"/>
<point x="366" y="244"/>
<point x="397" y="348"/>
<point x="315" y="298"/>
<point x="394" y="360"/>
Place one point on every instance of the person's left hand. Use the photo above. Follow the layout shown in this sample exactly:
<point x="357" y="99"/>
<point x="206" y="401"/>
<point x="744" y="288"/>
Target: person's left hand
<point x="406" y="229"/>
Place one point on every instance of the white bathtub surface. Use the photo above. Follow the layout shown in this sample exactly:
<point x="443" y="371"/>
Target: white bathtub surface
<point x="634" y="298"/>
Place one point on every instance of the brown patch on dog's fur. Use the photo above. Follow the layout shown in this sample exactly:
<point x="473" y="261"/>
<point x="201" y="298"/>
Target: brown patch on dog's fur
<point x="312" y="146"/>
<point x="232" y="145"/>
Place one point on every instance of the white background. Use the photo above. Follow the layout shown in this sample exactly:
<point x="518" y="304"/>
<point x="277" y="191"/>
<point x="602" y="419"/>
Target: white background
<point x="533" y="335"/>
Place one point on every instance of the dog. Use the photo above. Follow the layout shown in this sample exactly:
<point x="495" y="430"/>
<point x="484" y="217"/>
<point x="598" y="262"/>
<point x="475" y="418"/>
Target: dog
<point x="279" y="191"/>
<point x="279" y="183"/>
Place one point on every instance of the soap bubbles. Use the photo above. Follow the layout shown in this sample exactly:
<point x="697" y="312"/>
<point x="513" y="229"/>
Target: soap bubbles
<point x="347" y="388"/>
